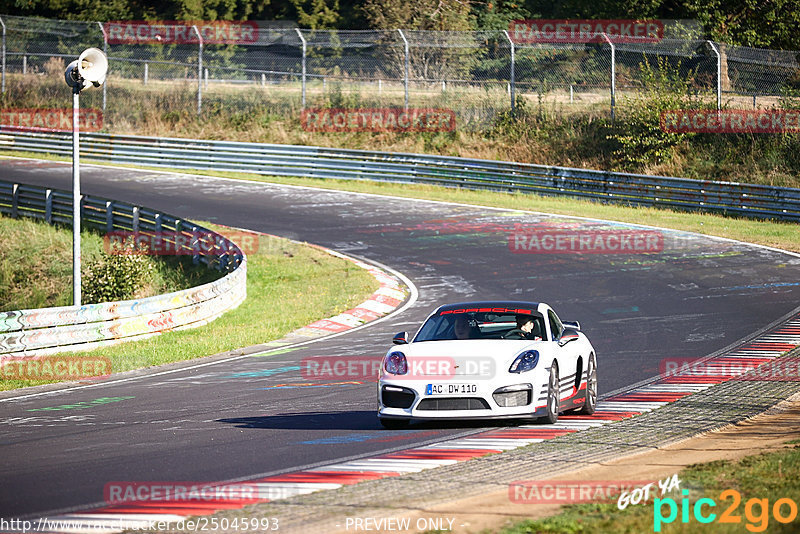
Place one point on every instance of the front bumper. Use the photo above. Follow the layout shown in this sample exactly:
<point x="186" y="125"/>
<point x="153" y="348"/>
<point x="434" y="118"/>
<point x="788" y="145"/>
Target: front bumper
<point x="521" y="396"/>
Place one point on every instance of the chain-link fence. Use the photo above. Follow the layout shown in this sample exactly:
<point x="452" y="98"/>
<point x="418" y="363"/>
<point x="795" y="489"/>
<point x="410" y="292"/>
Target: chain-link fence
<point x="283" y="70"/>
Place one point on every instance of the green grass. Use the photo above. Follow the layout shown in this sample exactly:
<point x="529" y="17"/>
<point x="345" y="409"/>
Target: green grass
<point x="289" y="285"/>
<point x="36" y="263"/>
<point x="769" y="476"/>
<point x="547" y="130"/>
<point x="36" y="266"/>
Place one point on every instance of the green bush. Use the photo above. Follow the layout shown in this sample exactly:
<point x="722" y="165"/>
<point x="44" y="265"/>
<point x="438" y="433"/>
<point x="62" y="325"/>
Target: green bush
<point x="122" y="275"/>
<point x="638" y="133"/>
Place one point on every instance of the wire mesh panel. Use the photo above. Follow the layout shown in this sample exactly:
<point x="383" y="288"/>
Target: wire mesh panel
<point x="751" y="72"/>
<point x="37" y="52"/>
<point x="689" y="65"/>
<point x="163" y="72"/>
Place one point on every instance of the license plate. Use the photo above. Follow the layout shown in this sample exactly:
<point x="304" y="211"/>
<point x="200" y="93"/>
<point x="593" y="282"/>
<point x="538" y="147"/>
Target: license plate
<point x="448" y="388"/>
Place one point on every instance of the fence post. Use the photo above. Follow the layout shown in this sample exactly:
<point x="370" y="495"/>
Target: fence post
<point x="405" y="76"/>
<point x="199" y="70"/>
<point x="105" y="51"/>
<point x="109" y="216"/>
<point x="303" y="62"/>
<point x="613" y="77"/>
<point x="48" y="206"/>
<point x="14" y="200"/>
<point x="513" y="52"/>
<point x="195" y="246"/>
<point x="719" y="74"/>
<point x="135" y="219"/>
<point x="146" y="73"/>
<point x="3" y="83"/>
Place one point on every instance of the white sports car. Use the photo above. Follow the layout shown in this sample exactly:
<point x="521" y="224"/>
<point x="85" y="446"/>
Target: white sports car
<point x="474" y="360"/>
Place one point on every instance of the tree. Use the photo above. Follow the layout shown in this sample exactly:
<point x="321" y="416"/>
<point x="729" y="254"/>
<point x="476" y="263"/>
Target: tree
<point x="317" y="14"/>
<point x="419" y="15"/>
<point x="753" y="23"/>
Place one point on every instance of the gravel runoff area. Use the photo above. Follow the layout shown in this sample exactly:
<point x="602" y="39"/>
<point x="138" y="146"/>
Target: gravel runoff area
<point x="718" y="406"/>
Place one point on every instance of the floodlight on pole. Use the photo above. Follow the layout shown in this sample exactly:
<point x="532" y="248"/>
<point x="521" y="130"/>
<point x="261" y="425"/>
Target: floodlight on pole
<point x="89" y="69"/>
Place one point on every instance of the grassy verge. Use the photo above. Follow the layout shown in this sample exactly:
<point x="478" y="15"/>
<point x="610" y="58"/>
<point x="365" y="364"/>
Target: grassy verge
<point x="544" y="129"/>
<point x="36" y="267"/>
<point x="768" y="477"/>
<point x="289" y="285"/>
<point x="768" y="233"/>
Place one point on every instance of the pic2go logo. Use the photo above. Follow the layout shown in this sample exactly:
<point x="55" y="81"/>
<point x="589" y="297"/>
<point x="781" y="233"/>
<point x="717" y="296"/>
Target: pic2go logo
<point x="756" y="511"/>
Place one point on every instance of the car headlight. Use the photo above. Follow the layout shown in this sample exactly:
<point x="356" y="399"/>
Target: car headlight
<point x="525" y="362"/>
<point x="395" y="363"/>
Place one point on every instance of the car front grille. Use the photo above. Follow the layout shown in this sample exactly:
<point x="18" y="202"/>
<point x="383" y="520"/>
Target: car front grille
<point x="511" y="399"/>
<point x="467" y="403"/>
<point x="397" y="397"/>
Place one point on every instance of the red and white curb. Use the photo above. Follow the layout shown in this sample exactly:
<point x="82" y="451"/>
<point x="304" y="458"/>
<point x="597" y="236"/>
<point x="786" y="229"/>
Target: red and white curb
<point x="385" y="300"/>
<point x="639" y="400"/>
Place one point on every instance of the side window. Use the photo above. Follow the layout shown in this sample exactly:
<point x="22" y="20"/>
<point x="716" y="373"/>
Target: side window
<point x="555" y="324"/>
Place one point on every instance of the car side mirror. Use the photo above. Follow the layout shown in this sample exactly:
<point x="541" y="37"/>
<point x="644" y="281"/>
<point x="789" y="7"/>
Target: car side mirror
<point x="401" y="338"/>
<point x="569" y="334"/>
<point x="572" y="324"/>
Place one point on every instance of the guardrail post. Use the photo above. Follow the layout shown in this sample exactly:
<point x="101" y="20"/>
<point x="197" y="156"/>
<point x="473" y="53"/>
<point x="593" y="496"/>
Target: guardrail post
<point x="48" y="206"/>
<point x="109" y="216"/>
<point x="719" y="74"/>
<point x="195" y="246"/>
<point x="14" y="200"/>
<point x="158" y="222"/>
<point x="405" y="75"/>
<point x="613" y="77"/>
<point x="3" y="83"/>
<point x="105" y="51"/>
<point x="199" y="69"/>
<point x="513" y="51"/>
<point x="303" y="40"/>
<point x="135" y="221"/>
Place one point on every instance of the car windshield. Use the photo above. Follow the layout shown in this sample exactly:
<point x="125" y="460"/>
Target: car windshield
<point x="468" y="324"/>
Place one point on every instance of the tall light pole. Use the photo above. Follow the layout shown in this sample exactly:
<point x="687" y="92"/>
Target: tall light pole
<point x="89" y="69"/>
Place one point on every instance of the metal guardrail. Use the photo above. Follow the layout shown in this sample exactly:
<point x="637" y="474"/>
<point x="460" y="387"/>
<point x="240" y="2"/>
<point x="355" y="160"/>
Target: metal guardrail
<point x="50" y="330"/>
<point x="748" y="200"/>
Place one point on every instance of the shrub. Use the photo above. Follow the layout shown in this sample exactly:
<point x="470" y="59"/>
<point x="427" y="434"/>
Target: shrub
<point x="122" y="275"/>
<point x="638" y="134"/>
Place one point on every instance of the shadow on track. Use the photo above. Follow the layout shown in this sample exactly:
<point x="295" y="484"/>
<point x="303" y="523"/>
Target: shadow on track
<point x="351" y="420"/>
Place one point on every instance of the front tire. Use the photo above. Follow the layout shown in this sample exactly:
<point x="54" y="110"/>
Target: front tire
<point x="553" y="396"/>
<point x="590" y="405"/>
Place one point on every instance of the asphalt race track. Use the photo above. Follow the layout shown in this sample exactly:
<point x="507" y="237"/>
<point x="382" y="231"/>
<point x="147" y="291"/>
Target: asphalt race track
<point x="229" y="420"/>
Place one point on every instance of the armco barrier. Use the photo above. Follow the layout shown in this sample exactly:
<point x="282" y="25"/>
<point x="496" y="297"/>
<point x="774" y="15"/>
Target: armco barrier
<point x="50" y="330"/>
<point x="747" y="200"/>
